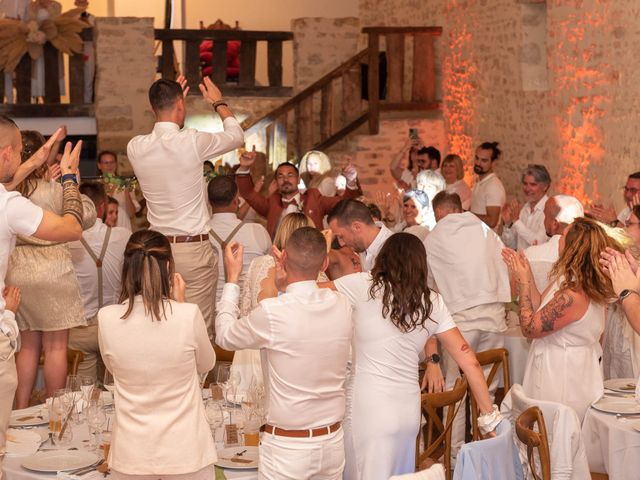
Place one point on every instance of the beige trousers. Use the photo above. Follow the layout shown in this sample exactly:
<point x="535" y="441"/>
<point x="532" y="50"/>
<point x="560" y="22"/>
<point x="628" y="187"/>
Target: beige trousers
<point x="8" y="384"/>
<point x="85" y="339"/>
<point x="197" y="262"/>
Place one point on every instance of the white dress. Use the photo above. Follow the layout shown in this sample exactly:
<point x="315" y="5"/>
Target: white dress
<point x="383" y="393"/>
<point x="564" y="367"/>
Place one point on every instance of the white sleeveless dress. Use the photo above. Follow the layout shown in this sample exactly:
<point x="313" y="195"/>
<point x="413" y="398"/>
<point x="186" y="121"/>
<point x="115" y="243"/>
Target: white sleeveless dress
<point x="564" y="367"/>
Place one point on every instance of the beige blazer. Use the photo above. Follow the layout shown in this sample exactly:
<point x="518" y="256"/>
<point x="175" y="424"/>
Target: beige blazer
<point x="160" y="425"/>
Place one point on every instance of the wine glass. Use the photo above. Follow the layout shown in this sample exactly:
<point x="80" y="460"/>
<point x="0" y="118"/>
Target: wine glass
<point x="108" y="383"/>
<point x="87" y="384"/>
<point x="215" y="416"/>
<point x="234" y="383"/>
<point x="96" y="417"/>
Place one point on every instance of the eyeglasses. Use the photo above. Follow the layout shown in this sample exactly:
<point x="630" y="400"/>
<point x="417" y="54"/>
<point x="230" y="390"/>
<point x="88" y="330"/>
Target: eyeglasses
<point x="630" y="190"/>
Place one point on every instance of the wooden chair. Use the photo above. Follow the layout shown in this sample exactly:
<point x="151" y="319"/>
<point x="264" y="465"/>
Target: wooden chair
<point x="436" y="434"/>
<point x="498" y="357"/>
<point x="74" y="358"/>
<point x="525" y="423"/>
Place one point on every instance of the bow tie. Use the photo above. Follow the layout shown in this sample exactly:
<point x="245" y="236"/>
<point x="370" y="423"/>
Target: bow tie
<point x="286" y="203"/>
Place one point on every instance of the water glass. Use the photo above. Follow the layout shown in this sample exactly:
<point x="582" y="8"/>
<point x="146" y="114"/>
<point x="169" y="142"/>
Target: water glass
<point x="96" y="418"/>
<point x="108" y="383"/>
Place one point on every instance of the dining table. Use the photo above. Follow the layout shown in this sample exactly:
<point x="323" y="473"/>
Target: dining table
<point x="13" y="469"/>
<point x="612" y="440"/>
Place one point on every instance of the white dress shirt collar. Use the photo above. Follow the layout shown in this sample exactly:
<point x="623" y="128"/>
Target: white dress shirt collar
<point x="485" y="178"/>
<point x="302" y="287"/>
<point x="539" y="206"/>
<point x="225" y="217"/>
<point x="166" y="127"/>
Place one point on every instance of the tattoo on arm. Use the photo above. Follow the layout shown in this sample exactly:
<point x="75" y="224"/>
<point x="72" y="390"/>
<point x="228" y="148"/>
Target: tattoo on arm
<point x="553" y="310"/>
<point x="526" y="310"/>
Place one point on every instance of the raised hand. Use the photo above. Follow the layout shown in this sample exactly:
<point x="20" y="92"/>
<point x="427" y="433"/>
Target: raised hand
<point x="210" y="92"/>
<point x="602" y="214"/>
<point x="183" y="85"/>
<point x="178" y="288"/>
<point x="233" y="260"/>
<point x="281" y="272"/>
<point x="350" y="173"/>
<point x="71" y="158"/>
<point x="42" y="154"/>
<point x="622" y="277"/>
<point x="259" y="184"/>
<point x="53" y="172"/>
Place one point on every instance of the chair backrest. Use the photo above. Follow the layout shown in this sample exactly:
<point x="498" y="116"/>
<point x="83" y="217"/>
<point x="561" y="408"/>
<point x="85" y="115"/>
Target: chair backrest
<point x="533" y="439"/>
<point x="74" y="358"/>
<point x="436" y="433"/>
<point x="497" y="357"/>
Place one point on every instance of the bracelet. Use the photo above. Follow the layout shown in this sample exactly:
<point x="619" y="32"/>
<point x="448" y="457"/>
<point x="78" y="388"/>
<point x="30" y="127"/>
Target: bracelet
<point x="219" y="103"/>
<point x="487" y="422"/>
<point x="69" y="177"/>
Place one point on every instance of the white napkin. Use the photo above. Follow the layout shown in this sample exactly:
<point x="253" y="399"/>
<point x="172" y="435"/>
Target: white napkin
<point x="95" y="475"/>
<point x="22" y="442"/>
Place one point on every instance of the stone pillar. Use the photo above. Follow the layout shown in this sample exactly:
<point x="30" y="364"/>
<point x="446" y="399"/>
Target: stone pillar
<point x="125" y="68"/>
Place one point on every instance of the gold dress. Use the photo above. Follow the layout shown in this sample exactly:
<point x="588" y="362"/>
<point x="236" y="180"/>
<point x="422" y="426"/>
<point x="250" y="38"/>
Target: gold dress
<point x="44" y="272"/>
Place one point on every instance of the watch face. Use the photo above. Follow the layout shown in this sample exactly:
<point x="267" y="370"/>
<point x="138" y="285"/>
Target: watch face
<point x="435" y="358"/>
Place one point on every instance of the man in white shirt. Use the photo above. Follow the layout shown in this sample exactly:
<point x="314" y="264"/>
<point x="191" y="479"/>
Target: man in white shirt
<point x="488" y="196"/>
<point x="18" y="216"/>
<point x="225" y="227"/>
<point x="466" y="267"/>
<point x="559" y="212"/>
<point x="352" y="225"/>
<point x="168" y="163"/>
<point x="524" y="225"/>
<point x="631" y="191"/>
<point x="97" y="259"/>
<point x="304" y="336"/>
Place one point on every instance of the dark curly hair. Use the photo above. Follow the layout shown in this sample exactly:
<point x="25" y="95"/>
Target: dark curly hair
<point x="400" y="276"/>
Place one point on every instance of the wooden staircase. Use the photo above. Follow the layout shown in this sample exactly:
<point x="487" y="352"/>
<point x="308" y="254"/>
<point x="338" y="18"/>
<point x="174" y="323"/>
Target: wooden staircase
<point x="331" y="108"/>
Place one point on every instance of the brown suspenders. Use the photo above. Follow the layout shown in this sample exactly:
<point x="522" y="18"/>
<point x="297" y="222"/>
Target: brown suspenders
<point x="223" y="243"/>
<point x="98" y="261"/>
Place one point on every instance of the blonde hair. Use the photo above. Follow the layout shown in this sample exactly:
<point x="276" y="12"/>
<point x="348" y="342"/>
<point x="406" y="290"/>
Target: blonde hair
<point x="579" y="262"/>
<point x="324" y="171"/>
<point x="289" y="224"/>
<point x="457" y="161"/>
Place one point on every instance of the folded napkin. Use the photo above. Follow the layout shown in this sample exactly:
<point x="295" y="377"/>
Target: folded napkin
<point x="35" y="410"/>
<point x="22" y="442"/>
<point x="220" y="474"/>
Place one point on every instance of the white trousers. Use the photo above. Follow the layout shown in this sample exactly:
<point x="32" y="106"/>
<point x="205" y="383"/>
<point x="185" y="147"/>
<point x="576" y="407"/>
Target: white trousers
<point x="286" y="458"/>
<point x="8" y="384"/>
<point x="479" y="341"/>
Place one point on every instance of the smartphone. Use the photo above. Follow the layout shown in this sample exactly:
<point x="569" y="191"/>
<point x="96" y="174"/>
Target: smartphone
<point x="413" y="133"/>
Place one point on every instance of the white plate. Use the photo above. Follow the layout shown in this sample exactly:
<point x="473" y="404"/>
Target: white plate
<point x="623" y="406"/>
<point x="225" y="456"/>
<point x="622" y="385"/>
<point x="59" y="460"/>
<point x="29" y="417"/>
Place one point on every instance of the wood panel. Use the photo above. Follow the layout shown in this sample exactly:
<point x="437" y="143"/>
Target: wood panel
<point x="76" y="78"/>
<point x="304" y="125"/>
<point x="219" y="75"/>
<point x="247" y="63"/>
<point x="395" y="66"/>
<point x="43" y="111"/>
<point x="192" y="64"/>
<point x="23" y="80"/>
<point x="351" y="94"/>
<point x="51" y="74"/>
<point x="197" y="34"/>
<point x="167" y="60"/>
<point x="373" y="82"/>
<point x="424" y="76"/>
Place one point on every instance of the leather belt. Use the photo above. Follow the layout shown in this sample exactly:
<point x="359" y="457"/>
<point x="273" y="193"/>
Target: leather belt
<point x="311" y="432"/>
<point x="188" y="238"/>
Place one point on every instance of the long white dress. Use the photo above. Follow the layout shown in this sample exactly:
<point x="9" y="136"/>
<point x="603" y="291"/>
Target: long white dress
<point x="564" y="367"/>
<point x="383" y="393"/>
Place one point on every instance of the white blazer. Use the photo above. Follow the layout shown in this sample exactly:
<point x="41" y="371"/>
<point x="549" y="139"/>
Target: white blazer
<point x="160" y="425"/>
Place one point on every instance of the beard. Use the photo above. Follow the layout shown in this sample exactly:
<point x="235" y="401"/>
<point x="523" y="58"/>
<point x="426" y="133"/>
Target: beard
<point x="478" y="170"/>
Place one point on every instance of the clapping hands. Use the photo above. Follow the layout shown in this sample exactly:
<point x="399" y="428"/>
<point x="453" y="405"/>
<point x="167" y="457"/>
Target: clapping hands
<point x="622" y="269"/>
<point x="233" y="261"/>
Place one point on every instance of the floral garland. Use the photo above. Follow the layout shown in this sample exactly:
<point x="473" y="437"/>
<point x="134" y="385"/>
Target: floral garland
<point x="120" y="183"/>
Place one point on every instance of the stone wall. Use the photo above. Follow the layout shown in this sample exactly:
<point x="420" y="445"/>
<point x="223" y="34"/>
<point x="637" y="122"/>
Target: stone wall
<point x="125" y="67"/>
<point x="555" y="84"/>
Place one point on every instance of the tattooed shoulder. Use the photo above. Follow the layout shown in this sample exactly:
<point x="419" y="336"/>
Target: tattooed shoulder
<point x="554" y="310"/>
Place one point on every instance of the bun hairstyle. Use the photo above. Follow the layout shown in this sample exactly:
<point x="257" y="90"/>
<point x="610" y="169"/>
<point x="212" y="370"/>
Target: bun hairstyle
<point x="147" y="271"/>
<point x="493" y="146"/>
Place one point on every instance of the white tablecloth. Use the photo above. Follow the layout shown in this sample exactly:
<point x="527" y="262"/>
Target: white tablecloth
<point x="13" y="470"/>
<point x="612" y="445"/>
<point x="518" y="348"/>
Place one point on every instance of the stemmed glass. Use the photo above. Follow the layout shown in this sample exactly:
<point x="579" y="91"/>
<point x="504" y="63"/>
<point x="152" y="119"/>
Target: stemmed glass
<point x="215" y="416"/>
<point x="96" y="417"/>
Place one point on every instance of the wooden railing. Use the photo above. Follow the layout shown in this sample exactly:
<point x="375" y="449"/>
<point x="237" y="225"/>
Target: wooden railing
<point x="320" y="128"/>
<point x="52" y="76"/>
<point x="246" y="83"/>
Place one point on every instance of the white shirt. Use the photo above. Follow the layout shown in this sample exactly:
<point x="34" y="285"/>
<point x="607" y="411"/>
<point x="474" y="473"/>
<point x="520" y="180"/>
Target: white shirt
<point x="624" y="215"/>
<point x="528" y="229"/>
<point x="252" y="236"/>
<point x="465" y="265"/>
<point x="304" y="335"/>
<point x="408" y="178"/>
<point x="488" y="192"/>
<point x="541" y="258"/>
<point x="168" y="165"/>
<point x="86" y="269"/>
<point x="462" y="189"/>
<point x="368" y="257"/>
<point x="18" y="216"/>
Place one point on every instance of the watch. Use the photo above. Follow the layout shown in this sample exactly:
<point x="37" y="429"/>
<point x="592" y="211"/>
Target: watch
<point x="625" y="293"/>
<point x="435" y="359"/>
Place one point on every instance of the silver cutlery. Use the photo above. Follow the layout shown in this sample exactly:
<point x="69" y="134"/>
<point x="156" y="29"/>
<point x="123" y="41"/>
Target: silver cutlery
<point x="87" y="469"/>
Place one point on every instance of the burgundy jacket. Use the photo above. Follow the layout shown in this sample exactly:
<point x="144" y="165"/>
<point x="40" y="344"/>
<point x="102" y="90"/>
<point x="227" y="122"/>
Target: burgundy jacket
<point x="314" y="204"/>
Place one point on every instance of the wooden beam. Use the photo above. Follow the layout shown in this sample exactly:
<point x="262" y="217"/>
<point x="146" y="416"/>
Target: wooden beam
<point x="51" y="74"/>
<point x="424" y="75"/>
<point x="23" y="80"/>
<point x="247" y="63"/>
<point x="167" y="60"/>
<point x="192" y="64"/>
<point x="304" y="125"/>
<point x="395" y="66"/>
<point x="326" y="111"/>
<point x="219" y="64"/>
<point x="335" y="138"/>
<point x="76" y="78"/>
<point x="197" y="34"/>
<point x="351" y="94"/>
<point x="373" y="82"/>
<point x="274" y="62"/>
<point x="43" y="111"/>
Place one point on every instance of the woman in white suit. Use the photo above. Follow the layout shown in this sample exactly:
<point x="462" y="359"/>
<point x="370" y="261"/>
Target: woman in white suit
<point x="155" y="345"/>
